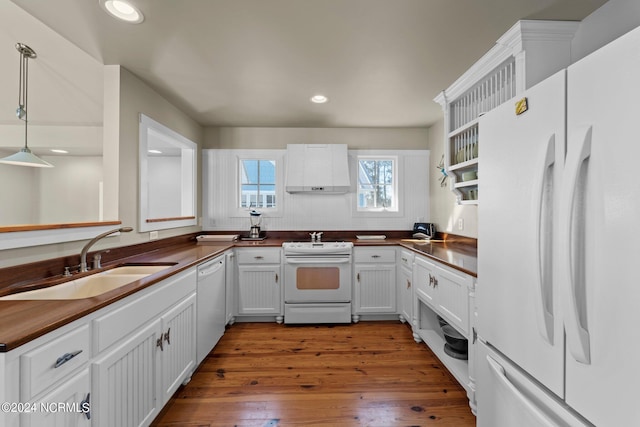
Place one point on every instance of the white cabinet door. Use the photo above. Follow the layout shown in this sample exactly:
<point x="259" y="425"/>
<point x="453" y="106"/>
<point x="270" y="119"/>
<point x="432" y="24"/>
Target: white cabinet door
<point x="375" y="289"/>
<point x="405" y="284"/>
<point x="423" y="276"/>
<point x="68" y="405"/>
<point x="375" y="280"/>
<point x="178" y="351"/>
<point x="126" y="383"/>
<point x="452" y="289"/>
<point x="259" y="289"/>
<point x="231" y="293"/>
<point x="445" y="290"/>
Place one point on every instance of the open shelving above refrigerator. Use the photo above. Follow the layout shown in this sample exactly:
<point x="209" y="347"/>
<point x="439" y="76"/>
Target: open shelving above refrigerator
<point x="529" y="52"/>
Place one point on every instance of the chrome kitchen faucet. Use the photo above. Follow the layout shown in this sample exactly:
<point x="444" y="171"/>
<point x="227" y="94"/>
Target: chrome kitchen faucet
<point x="83" y="254"/>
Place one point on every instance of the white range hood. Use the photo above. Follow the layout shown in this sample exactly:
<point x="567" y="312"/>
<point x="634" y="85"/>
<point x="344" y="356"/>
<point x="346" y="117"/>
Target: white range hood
<point x="317" y="169"/>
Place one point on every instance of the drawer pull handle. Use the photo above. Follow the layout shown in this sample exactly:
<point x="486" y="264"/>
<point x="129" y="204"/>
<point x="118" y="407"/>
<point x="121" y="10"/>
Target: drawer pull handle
<point x="167" y="336"/>
<point x="276" y="277"/>
<point x="66" y="357"/>
<point x="85" y="406"/>
<point x="159" y="343"/>
<point x="375" y="256"/>
<point x="408" y="283"/>
<point x="258" y="257"/>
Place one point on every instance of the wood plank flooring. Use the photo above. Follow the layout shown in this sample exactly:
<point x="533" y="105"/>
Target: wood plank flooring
<point x="365" y="374"/>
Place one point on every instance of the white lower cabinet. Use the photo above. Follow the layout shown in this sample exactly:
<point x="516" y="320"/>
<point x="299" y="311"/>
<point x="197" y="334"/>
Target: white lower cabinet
<point x="126" y="380"/>
<point x="57" y="393"/>
<point x="445" y="290"/>
<point x="134" y="380"/>
<point x="46" y="381"/>
<point x="405" y="286"/>
<point x="117" y="366"/>
<point x="178" y="352"/>
<point x="138" y="373"/>
<point x="423" y="276"/>
<point x="68" y="405"/>
<point x="441" y="291"/>
<point x="231" y="272"/>
<point x="374" y="286"/>
<point x="53" y="362"/>
<point x="259" y="282"/>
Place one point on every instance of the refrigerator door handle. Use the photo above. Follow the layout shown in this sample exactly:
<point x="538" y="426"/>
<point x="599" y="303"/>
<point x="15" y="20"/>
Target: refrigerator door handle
<point x="499" y="372"/>
<point x="543" y="202"/>
<point x="572" y="249"/>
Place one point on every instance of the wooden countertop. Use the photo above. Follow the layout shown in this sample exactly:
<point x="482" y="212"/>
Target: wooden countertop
<point x="23" y="321"/>
<point x="459" y="256"/>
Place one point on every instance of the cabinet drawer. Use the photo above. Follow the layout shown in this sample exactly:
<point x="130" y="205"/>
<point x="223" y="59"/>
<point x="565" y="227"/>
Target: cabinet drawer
<point x="375" y="255"/>
<point x="259" y="256"/>
<point x="51" y="362"/>
<point x="406" y="259"/>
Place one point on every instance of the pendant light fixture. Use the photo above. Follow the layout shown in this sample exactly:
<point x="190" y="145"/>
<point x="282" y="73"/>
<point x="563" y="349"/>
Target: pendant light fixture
<point x="24" y="157"/>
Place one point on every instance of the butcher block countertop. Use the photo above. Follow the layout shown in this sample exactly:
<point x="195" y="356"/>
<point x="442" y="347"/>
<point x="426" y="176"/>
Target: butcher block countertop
<point x="23" y="321"/>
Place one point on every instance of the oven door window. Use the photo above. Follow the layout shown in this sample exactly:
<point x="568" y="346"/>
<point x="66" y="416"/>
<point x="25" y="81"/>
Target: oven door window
<point x="317" y="278"/>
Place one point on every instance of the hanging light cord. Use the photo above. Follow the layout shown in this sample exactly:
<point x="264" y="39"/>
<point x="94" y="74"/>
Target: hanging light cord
<point x="21" y="112"/>
<point x="24" y="157"/>
<point x="23" y="85"/>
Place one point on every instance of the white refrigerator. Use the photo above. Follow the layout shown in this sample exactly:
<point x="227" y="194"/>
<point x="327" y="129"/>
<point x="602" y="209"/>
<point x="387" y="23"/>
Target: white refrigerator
<point x="558" y="299"/>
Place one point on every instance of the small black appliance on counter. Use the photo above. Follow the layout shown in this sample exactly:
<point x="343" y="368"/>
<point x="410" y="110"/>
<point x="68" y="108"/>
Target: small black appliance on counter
<point x="424" y="230"/>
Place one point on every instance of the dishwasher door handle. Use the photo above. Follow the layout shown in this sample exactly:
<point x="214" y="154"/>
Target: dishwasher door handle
<point x="208" y="270"/>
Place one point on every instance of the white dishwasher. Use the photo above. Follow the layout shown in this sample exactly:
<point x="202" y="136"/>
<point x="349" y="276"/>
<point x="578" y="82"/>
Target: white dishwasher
<point x="211" y="301"/>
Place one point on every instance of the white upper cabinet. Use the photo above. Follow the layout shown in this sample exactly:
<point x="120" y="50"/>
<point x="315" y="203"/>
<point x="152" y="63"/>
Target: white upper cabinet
<point x="525" y="55"/>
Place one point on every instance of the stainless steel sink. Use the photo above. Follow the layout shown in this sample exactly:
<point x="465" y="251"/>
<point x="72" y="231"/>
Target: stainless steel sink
<point x="90" y="286"/>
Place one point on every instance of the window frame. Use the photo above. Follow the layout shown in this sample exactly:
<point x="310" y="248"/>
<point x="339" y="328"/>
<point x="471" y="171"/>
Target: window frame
<point x="397" y="160"/>
<point x="258" y="185"/>
<point x="277" y="158"/>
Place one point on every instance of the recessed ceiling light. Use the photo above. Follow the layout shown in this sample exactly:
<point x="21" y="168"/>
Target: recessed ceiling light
<point x="57" y="150"/>
<point x="123" y="10"/>
<point x="319" y="99"/>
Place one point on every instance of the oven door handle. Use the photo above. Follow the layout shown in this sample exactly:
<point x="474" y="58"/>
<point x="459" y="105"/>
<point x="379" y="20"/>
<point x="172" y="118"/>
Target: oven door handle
<point x="317" y="260"/>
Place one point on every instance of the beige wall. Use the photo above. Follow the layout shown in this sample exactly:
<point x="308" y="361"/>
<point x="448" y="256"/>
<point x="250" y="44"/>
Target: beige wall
<point x="278" y="138"/>
<point x="445" y="212"/>
<point x="137" y="97"/>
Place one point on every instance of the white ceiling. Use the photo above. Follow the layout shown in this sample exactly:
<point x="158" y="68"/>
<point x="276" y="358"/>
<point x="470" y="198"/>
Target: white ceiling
<point x="257" y="62"/>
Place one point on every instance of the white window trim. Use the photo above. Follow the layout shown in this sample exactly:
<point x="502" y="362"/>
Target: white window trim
<point x="189" y="176"/>
<point x="278" y="157"/>
<point x="355" y="156"/>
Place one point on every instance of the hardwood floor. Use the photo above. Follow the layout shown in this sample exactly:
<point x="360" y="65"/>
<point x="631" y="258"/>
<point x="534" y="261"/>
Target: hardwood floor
<point x="365" y="374"/>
